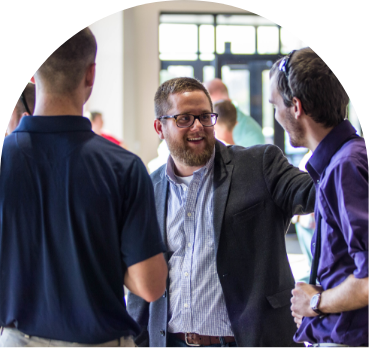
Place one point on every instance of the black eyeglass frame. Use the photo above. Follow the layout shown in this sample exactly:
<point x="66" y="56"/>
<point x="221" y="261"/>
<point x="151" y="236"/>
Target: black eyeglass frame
<point x="24" y="102"/>
<point x="283" y="65"/>
<point x="195" y="117"/>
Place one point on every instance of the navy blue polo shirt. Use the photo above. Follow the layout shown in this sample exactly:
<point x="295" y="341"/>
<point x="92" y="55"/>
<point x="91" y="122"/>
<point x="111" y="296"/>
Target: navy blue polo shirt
<point x="75" y="211"/>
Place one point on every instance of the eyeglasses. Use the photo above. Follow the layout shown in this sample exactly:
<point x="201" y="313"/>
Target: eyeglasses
<point x="283" y="65"/>
<point x="23" y="100"/>
<point x="187" y="120"/>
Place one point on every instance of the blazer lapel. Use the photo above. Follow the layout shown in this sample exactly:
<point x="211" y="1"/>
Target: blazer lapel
<point x="222" y="181"/>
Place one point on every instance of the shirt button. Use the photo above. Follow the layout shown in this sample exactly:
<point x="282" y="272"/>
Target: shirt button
<point x="186" y="274"/>
<point x="185" y="305"/>
<point x="188" y="214"/>
<point x="189" y="245"/>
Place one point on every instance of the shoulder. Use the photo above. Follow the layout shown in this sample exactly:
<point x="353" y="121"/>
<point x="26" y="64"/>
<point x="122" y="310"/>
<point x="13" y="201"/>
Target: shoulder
<point x="352" y="153"/>
<point x="255" y="151"/>
<point x="158" y="174"/>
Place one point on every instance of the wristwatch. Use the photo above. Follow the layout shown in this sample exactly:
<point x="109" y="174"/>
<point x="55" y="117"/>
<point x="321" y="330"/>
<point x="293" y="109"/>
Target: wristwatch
<point x="315" y="302"/>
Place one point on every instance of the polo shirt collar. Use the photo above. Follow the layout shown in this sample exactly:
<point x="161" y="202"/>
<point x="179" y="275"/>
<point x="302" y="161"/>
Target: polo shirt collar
<point x="53" y="124"/>
<point x="170" y="168"/>
<point x="328" y="147"/>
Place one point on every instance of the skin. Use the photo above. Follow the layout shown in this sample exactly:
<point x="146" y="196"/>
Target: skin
<point x="97" y="124"/>
<point x="352" y="293"/>
<point x="195" y="103"/>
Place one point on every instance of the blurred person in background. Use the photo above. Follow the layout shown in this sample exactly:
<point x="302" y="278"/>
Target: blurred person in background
<point x="247" y="131"/>
<point x="227" y="120"/>
<point x="24" y="107"/>
<point x="97" y="123"/>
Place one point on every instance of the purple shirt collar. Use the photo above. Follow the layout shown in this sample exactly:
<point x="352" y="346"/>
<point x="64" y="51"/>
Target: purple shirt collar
<point x="327" y="148"/>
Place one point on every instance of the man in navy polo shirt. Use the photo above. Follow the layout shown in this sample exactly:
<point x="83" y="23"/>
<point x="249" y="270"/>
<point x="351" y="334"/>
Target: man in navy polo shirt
<point x="311" y="105"/>
<point x="77" y="219"/>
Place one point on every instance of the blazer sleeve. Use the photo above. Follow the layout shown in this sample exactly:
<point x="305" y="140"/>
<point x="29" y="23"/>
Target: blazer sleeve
<point x="139" y="310"/>
<point x="291" y="189"/>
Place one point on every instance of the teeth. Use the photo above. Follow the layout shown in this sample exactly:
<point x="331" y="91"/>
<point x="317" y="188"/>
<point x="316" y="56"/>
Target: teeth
<point x="194" y="139"/>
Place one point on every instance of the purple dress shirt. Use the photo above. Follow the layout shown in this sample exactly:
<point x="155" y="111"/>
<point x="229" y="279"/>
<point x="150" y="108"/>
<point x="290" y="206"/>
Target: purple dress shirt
<point x="339" y="168"/>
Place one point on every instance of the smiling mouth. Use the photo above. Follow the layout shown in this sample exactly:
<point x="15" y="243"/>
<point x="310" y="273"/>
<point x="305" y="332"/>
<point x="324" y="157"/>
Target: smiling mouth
<point x="195" y="139"/>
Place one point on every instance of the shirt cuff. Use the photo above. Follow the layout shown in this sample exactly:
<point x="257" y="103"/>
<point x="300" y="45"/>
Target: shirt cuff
<point x="361" y="262"/>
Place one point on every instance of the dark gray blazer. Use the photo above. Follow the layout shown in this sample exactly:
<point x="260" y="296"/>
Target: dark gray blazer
<point x="256" y="192"/>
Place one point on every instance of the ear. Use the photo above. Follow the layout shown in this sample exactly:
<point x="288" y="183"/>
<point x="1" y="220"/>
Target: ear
<point x="297" y="111"/>
<point x="90" y="75"/>
<point x="159" y="128"/>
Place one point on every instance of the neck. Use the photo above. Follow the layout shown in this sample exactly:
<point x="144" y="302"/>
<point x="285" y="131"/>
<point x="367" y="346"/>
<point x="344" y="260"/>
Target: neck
<point x="50" y="104"/>
<point x="315" y="133"/>
<point x="183" y="170"/>
<point x="224" y="135"/>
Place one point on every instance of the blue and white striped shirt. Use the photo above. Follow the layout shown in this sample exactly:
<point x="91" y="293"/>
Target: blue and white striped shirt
<point x="195" y="295"/>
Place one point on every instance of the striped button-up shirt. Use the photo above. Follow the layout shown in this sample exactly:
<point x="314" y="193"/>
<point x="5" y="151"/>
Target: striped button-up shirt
<point x="195" y="295"/>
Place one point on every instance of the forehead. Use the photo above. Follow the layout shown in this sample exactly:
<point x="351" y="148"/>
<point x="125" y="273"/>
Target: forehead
<point x="188" y="101"/>
<point x="273" y="90"/>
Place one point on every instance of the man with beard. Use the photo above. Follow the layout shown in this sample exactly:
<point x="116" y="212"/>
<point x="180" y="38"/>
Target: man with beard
<point x="223" y="212"/>
<point x="311" y="105"/>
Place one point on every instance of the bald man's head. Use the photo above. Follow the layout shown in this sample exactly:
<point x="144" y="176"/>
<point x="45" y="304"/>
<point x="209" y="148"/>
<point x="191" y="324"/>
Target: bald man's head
<point x="217" y="90"/>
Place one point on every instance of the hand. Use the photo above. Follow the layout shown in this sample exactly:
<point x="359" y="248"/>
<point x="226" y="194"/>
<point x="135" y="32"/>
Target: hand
<point x="302" y="294"/>
<point x="297" y="319"/>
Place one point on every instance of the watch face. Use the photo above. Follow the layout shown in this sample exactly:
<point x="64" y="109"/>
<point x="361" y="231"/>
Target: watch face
<point x="315" y="301"/>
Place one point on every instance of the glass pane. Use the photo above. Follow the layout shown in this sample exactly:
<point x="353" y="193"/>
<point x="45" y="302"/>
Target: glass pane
<point x="178" y="38"/>
<point x="178" y="56"/>
<point x="207" y="56"/>
<point x="176" y="71"/>
<point x="242" y="39"/>
<point x="208" y="73"/>
<point x="238" y="83"/>
<point x="290" y="42"/>
<point x="268" y="112"/>
<point x="243" y="20"/>
<point x="186" y="18"/>
<point x="207" y="38"/>
<point x="352" y="116"/>
<point x="268" y="40"/>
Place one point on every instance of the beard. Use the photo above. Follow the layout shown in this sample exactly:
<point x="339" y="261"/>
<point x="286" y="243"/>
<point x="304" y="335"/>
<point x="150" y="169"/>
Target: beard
<point x="180" y="150"/>
<point x="295" y="130"/>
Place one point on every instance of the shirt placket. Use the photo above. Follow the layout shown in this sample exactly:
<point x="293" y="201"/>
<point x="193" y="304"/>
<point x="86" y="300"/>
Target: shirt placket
<point x="189" y="229"/>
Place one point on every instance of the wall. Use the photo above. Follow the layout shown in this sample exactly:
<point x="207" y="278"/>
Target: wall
<point x="107" y="96"/>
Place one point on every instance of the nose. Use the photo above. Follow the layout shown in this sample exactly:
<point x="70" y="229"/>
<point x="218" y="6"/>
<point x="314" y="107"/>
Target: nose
<point x="197" y="124"/>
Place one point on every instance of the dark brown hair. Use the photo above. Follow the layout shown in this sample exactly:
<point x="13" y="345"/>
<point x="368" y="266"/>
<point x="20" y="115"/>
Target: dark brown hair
<point x="94" y="115"/>
<point x="173" y="86"/>
<point x="63" y="70"/>
<point x="311" y="80"/>
<point x="227" y="113"/>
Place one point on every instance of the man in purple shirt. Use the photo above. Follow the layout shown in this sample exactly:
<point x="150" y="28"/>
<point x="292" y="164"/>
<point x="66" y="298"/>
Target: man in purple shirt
<point x="311" y="105"/>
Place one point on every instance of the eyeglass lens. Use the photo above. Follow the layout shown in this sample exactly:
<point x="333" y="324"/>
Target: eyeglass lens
<point x="206" y="120"/>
